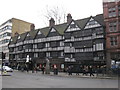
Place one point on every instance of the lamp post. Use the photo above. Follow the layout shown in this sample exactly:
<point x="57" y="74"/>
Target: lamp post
<point x="47" y="69"/>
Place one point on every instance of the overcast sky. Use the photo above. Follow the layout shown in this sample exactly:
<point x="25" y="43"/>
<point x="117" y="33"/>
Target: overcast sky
<point x="33" y="10"/>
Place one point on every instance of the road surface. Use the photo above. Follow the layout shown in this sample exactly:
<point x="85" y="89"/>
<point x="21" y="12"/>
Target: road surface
<point x="37" y="80"/>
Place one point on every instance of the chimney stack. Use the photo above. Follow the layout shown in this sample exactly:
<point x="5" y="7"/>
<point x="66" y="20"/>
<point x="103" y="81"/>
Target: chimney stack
<point x="51" y="22"/>
<point x="16" y="34"/>
<point x="32" y="27"/>
<point x="69" y="18"/>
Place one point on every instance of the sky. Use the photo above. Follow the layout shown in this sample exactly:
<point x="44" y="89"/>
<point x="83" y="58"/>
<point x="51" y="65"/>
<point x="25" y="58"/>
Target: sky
<point x="34" y="10"/>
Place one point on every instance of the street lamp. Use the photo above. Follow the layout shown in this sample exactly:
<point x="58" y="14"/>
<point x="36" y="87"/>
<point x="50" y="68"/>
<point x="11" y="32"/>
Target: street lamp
<point x="47" y="69"/>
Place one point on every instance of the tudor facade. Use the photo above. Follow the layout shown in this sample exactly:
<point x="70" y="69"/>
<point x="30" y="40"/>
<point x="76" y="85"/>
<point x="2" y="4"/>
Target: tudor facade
<point x="75" y="42"/>
<point x="85" y="43"/>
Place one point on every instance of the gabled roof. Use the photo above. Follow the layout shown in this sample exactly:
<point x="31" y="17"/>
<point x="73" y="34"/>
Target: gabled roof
<point x="22" y="37"/>
<point x="41" y="35"/>
<point x="61" y="28"/>
<point x="82" y="22"/>
<point x="56" y="31"/>
<point x="14" y="40"/>
<point x="33" y="33"/>
<point x="100" y="19"/>
<point x="45" y="30"/>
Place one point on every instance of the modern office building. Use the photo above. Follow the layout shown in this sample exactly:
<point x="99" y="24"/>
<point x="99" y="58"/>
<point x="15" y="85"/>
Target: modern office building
<point x="74" y="42"/>
<point x="5" y="35"/>
<point x="112" y="22"/>
<point x="10" y="28"/>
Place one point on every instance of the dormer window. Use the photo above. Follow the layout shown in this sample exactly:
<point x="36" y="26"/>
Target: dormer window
<point x="73" y="26"/>
<point x="18" y="37"/>
<point x="39" y="33"/>
<point x="92" y="23"/>
<point x="28" y="35"/>
<point x="53" y="30"/>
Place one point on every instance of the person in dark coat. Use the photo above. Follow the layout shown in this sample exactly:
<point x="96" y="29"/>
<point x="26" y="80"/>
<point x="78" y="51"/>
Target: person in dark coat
<point x="103" y="70"/>
<point x="43" y="69"/>
<point x="91" y="71"/>
<point x="27" y="67"/>
<point x="97" y="70"/>
<point x="70" y="70"/>
<point x="78" y="70"/>
<point x="55" y="70"/>
<point x="85" y="70"/>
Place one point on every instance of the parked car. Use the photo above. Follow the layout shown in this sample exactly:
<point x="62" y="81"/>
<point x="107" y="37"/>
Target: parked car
<point x="6" y="68"/>
<point x="0" y="67"/>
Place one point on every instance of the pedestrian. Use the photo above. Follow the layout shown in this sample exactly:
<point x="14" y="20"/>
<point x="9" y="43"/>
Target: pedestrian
<point x="55" y="70"/>
<point x="27" y="67"/>
<point x="103" y="70"/>
<point x="97" y="70"/>
<point x="36" y="68"/>
<point x="77" y="70"/>
<point x="70" y="70"/>
<point x="43" y="69"/>
<point x="85" y="70"/>
<point x="22" y="67"/>
<point x="91" y="71"/>
<point x="66" y="70"/>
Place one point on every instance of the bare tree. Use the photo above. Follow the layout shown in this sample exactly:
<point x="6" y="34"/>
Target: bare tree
<point x="59" y="14"/>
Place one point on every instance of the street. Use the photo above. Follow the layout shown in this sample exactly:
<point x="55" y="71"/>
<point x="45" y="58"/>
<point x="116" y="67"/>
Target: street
<point x="37" y="80"/>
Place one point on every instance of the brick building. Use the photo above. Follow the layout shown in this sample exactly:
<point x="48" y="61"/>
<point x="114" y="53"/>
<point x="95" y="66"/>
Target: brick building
<point x="111" y="12"/>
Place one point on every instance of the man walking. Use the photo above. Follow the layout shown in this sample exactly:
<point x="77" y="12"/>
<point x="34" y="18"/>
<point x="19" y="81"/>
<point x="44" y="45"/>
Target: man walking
<point x="91" y="71"/>
<point x="43" y="69"/>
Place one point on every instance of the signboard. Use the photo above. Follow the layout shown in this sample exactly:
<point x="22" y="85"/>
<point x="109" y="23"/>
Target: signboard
<point x="62" y="66"/>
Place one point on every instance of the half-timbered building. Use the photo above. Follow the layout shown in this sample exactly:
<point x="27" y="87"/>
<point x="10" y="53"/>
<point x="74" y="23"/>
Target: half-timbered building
<point x="85" y="41"/>
<point x="74" y="42"/>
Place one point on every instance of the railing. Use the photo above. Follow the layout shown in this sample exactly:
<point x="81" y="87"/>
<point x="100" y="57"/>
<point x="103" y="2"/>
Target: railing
<point x="29" y="50"/>
<point x="69" y="49"/>
<point x="50" y="49"/>
<point x="70" y="60"/>
<point x="20" y="43"/>
<point x="12" y="45"/>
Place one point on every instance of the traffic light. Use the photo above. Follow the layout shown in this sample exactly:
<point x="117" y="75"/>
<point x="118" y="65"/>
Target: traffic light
<point x="3" y="55"/>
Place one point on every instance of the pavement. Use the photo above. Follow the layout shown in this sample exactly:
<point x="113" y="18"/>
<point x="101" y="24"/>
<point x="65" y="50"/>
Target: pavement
<point x="63" y="74"/>
<point x="100" y="76"/>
